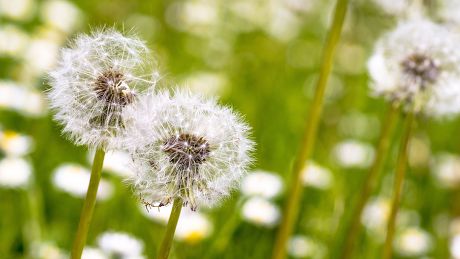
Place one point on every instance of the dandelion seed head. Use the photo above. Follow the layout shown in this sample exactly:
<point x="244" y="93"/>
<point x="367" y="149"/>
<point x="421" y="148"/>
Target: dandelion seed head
<point x="417" y="65"/>
<point x="97" y="77"/>
<point x="185" y="146"/>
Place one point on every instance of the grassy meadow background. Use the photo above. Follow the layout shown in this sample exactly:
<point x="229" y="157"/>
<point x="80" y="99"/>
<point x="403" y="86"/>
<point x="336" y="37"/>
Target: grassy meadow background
<point x="262" y="58"/>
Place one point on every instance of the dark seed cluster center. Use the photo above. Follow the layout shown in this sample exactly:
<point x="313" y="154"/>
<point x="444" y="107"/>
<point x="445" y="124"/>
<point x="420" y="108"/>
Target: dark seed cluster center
<point x="421" y="69"/>
<point x="187" y="151"/>
<point x="111" y="87"/>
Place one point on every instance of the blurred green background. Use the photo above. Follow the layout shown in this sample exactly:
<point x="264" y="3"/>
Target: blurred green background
<point x="262" y="58"/>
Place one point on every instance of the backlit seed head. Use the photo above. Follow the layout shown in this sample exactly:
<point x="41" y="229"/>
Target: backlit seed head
<point x="417" y="65"/>
<point x="184" y="146"/>
<point x="97" y="77"/>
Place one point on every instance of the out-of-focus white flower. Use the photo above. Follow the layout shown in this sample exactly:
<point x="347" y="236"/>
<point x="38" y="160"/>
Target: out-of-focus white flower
<point x="95" y="80"/>
<point x="393" y="7"/>
<point x="417" y="65"/>
<point x="207" y="83"/>
<point x="282" y="23"/>
<point x="262" y="183"/>
<point x="48" y="250"/>
<point x="15" y="144"/>
<point x="62" y="15"/>
<point x="14" y="172"/>
<point x="74" y="179"/>
<point x="446" y="170"/>
<point x="184" y="146"/>
<point x="93" y="253"/>
<point x="26" y="101"/>
<point x="413" y="241"/>
<point x="41" y="55"/>
<point x="120" y="245"/>
<point x="305" y="247"/>
<point x="13" y="41"/>
<point x="193" y="227"/>
<point x="261" y="212"/>
<point x="197" y="17"/>
<point x="316" y="176"/>
<point x="449" y="10"/>
<point x="18" y="9"/>
<point x="455" y="246"/>
<point x="116" y="162"/>
<point x="376" y="214"/>
<point x="353" y="153"/>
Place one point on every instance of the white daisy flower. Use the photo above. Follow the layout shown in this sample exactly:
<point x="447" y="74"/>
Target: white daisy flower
<point x="352" y="153"/>
<point x="184" y="146"/>
<point x="317" y="176"/>
<point x="120" y="245"/>
<point x="413" y="241"/>
<point x="446" y="170"/>
<point x="261" y="212"/>
<point x="262" y="183"/>
<point x="74" y="179"/>
<point x="15" y="144"/>
<point x="15" y="173"/>
<point x="96" y="78"/>
<point x="417" y="64"/>
<point x="454" y="246"/>
<point x="93" y="253"/>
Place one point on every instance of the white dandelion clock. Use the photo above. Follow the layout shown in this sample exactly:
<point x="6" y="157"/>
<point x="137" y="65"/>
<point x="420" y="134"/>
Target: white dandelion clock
<point x="96" y="78"/>
<point x="184" y="146"/>
<point x="417" y="65"/>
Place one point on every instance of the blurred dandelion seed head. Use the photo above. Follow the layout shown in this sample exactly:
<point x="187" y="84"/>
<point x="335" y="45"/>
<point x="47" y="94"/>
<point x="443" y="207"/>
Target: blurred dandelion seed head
<point x="119" y="244"/>
<point x="184" y="146"/>
<point x="95" y="79"/>
<point x="260" y="211"/>
<point x="262" y="183"/>
<point x="417" y="65"/>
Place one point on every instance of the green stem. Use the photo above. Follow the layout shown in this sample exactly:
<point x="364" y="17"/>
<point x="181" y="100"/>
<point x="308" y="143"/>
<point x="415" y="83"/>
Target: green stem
<point x="170" y="229"/>
<point x="88" y="206"/>
<point x="401" y="165"/>
<point x="370" y="181"/>
<point x="293" y="199"/>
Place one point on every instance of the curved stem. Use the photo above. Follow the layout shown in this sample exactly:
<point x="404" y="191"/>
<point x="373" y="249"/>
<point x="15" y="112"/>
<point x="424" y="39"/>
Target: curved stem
<point x="370" y="181"/>
<point x="170" y="229"/>
<point x="401" y="165"/>
<point x="88" y="206"/>
<point x="293" y="199"/>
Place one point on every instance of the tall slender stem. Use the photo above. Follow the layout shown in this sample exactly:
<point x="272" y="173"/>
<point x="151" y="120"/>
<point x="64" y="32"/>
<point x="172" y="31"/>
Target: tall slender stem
<point x="293" y="199"/>
<point x="88" y="206"/>
<point x="401" y="165"/>
<point x="170" y="229"/>
<point x="370" y="181"/>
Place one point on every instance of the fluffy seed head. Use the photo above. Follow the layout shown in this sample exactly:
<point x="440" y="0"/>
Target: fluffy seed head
<point x="418" y="65"/>
<point x="97" y="77"/>
<point x="185" y="146"/>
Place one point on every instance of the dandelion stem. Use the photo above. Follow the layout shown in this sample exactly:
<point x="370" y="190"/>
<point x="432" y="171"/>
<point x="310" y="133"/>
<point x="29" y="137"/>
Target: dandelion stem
<point x="88" y="206"/>
<point x="401" y="165"/>
<point x="370" y="181"/>
<point x="170" y="229"/>
<point x="293" y="199"/>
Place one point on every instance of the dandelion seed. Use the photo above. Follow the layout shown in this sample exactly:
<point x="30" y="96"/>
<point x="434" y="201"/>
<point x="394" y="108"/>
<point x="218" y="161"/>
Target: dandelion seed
<point x="417" y="65"/>
<point x="96" y="78"/>
<point x="186" y="147"/>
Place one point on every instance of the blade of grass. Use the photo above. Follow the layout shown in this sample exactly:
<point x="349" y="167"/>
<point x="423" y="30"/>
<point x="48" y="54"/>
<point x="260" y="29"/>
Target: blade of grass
<point x="369" y="183"/>
<point x="401" y="165"/>
<point x="293" y="199"/>
<point x="88" y="206"/>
